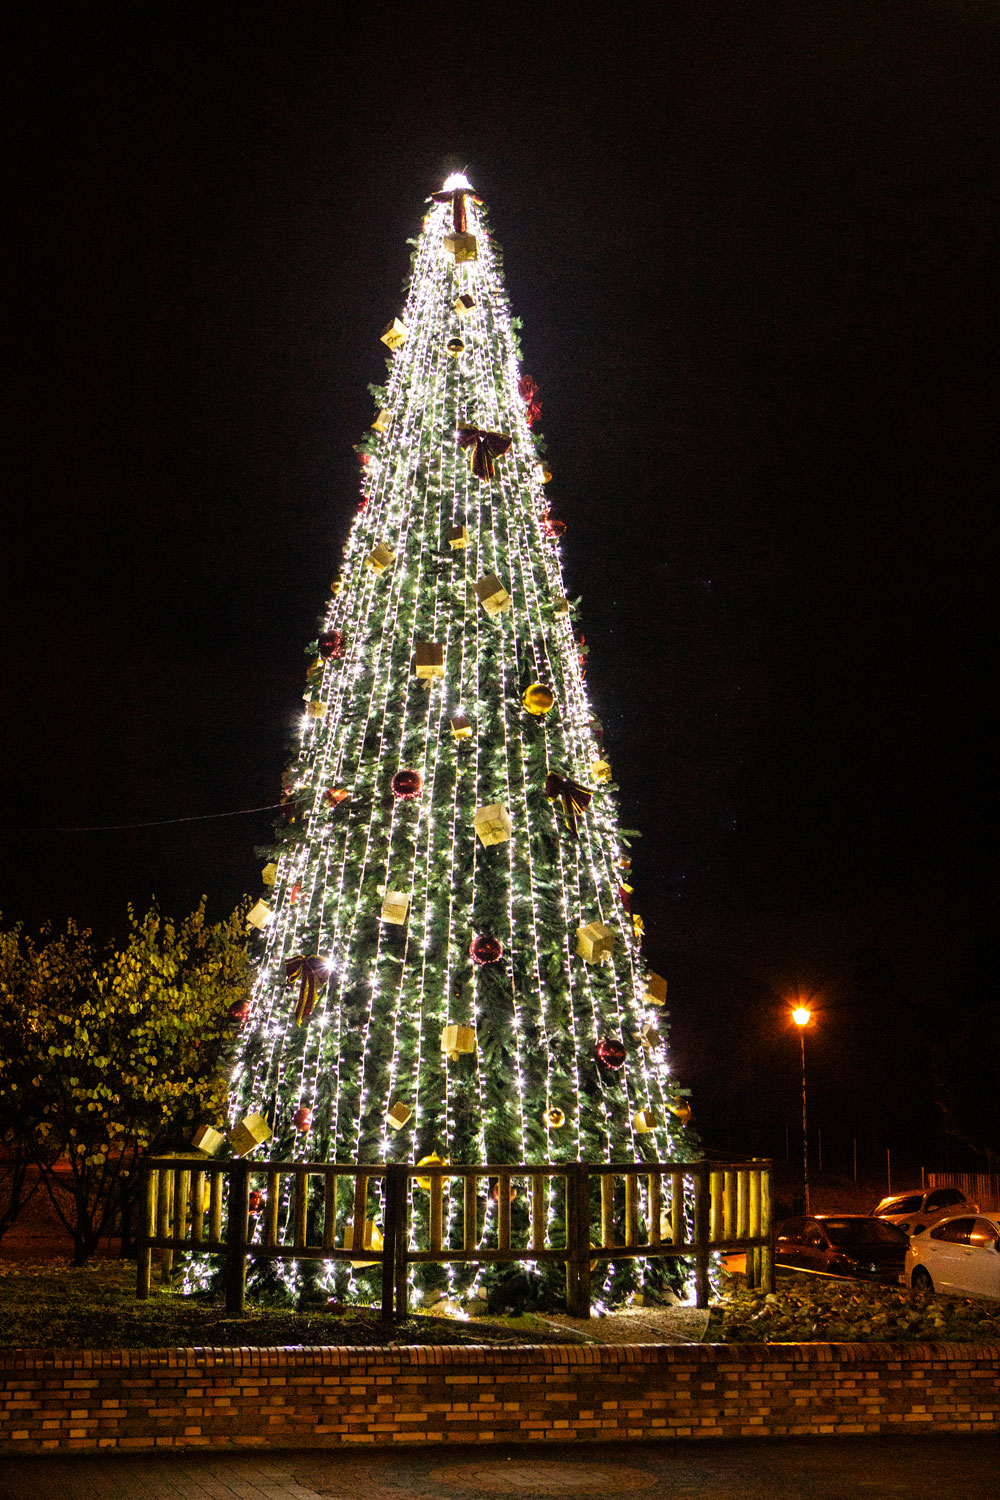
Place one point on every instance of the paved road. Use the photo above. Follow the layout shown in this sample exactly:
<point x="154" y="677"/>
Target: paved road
<point x="946" y="1468"/>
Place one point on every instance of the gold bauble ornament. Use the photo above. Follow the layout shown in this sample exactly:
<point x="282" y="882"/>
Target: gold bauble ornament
<point x="538" y="699"/>
<point x="429" y="1161"/>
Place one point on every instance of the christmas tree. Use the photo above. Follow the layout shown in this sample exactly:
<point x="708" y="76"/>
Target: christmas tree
<point x="451" y="967"/>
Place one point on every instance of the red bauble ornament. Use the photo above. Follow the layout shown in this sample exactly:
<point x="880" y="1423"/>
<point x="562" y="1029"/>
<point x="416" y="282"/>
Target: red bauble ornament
<point x="495" y="1192"/>
<point x="610" y="1053"/>
<point x="486" y="949"/>
<point x="302" y="1118"/>
<point x="255" y="1201"/>
<point x="295" y="893"/>
<point x="331" y="645"/>
<point x="335" y="795"/>
<point x="239" y="1011"/>
<point x="406" y="785"/>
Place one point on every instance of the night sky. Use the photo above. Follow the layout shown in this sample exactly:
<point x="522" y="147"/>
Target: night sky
<point x="751" y="246"/>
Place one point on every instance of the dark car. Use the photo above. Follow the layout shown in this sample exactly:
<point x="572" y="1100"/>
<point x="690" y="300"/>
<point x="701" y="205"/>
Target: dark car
<point x="842" y="1245"/>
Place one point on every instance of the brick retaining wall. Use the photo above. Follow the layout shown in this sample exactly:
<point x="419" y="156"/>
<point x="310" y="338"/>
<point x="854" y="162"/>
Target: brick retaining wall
<point x="280" y="1398"/>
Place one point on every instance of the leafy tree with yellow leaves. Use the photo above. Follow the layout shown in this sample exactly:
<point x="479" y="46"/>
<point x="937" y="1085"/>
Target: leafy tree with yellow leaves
<point x="108" y="1053"/>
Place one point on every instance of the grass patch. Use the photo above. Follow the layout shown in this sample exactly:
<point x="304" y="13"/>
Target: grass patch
<point x="53" y="1305"/>
<point x="813" y="1309"/>
<point x="57" y="1306"/>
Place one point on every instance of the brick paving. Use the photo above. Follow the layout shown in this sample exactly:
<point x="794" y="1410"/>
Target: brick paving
<point x="952" y="1468"/>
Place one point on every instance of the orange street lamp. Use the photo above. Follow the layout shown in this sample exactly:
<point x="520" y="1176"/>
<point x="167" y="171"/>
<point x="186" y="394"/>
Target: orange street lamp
<point x="802" y="1015"/>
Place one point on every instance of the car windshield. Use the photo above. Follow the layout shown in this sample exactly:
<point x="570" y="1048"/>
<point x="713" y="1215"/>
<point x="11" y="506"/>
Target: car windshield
<point x="909" y="1205"/>
<point x="863" y="1232"/>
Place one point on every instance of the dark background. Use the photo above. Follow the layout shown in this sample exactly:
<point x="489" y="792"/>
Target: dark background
<point x="750" y="245"/>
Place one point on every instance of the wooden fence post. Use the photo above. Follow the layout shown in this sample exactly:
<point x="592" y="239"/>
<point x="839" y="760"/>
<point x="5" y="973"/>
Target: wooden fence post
<point x="147" y="1199"/>
<point x="400" y="1269"/>
<point x="754" y="1255"/>
<point x="767" y="1228"/>
<point x="577" y="1240"/>
<point x="164" y="1184"/>
<point x="236" y="1236"/>
<point x="702" y="1211"/>
<point x="392" y="1227"/>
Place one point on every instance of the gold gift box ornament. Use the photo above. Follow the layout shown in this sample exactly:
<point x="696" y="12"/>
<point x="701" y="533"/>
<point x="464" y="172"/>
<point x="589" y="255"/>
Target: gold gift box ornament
<point x="206" y="1138"/>
<point x="258" y="916"/>
<point x="398" y="1114"/>
<point x="656" y="989"/>
<point x="458" y="537"/>
<point x="644" y="1121"/>
<point x="395" y="905"/>
<point x="461" y="727"/>
<point x="651" y="1038"/>
<point x="493" y="824"/>
<point x="457" y="1041"/>
<point x="371" y="1239"/>
<point x="381" y="422"/>
<point x="250" y="1133"/>
<point x="461" y="247"/>
<point x="595" y="942"/>
<point x="464" y="303"/>
<point x="428" y="660"/>
<point x="492" y="595"/>
<point x="269" y="874"/>
<point x="395" y="335"/>
<point x="379" y="558"/>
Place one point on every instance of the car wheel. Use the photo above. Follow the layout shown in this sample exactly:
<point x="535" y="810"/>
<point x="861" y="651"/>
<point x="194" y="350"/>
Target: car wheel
<point x="920" y="1280"/>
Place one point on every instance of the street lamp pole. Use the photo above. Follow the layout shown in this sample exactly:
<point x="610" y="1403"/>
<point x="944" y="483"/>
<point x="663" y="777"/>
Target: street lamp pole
<point x="802" y="1015"/>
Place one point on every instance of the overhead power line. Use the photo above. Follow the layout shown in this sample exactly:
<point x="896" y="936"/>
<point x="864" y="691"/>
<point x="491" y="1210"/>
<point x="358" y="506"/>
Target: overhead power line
<point x="240" y="812"/>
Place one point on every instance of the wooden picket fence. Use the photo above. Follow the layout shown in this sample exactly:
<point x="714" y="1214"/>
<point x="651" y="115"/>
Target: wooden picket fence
<point x="399" y="1215"/>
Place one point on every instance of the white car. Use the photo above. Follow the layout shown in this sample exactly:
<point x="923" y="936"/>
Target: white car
<point x="913" y="1212"/>
<point x="960" y="1256"/>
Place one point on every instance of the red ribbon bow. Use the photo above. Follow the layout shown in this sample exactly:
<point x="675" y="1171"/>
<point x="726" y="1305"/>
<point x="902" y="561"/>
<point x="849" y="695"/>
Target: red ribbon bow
<point x="457" y="201"/>
<point x="310" y="972"/>
<point x="485" y="446"/>
<point x="528" y="392"/>
<point x="575" y="798"/>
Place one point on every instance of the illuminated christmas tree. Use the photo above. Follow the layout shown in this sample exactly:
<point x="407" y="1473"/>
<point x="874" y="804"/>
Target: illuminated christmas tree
<point x="450" y="966"/>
